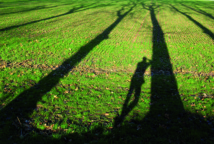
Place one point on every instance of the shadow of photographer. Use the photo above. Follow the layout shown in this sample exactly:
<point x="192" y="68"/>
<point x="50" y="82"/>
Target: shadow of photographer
<point x="166" y="122"/>
<point x="136" y="83"/>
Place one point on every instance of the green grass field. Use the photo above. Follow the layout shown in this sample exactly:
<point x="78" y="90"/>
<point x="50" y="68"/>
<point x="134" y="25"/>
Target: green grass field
<point x="111" y="71"/>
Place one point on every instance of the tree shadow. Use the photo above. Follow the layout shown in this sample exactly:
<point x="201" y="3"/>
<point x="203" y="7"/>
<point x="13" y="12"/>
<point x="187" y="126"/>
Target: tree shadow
<point x="205" y="30"/>
<point x="74" y="10"/>
<point x="25" y="103"/>
<point x="166" y="122"/>
<point x="199" y="11"/>
<point x="2" y="5"/>
<point x="28" y="10"/>
<point x="205" y="4"/>
<point x="32" y="9"/>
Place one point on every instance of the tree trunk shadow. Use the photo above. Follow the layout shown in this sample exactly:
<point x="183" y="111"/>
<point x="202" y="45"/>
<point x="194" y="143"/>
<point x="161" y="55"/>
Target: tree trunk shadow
<point x="167" y="121"/>
<point x="25" y="103"/>
<point x="199" y="11"/>
<point x="205" y="30"/>
<point x="73" y="10"/>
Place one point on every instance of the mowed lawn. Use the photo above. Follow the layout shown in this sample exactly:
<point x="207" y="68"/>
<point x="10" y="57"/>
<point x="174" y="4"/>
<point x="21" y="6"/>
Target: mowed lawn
<point x="112" y="71"/>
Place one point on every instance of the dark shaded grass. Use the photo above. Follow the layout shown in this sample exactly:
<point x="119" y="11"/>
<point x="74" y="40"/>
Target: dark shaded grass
<point x="31" y="9"/>
<point x="27" y="100"/>
<point x="207" y="4"/>
<point x="205" y="30"/>
<point x="78" y="9"/>
<point x="199" y="11"/>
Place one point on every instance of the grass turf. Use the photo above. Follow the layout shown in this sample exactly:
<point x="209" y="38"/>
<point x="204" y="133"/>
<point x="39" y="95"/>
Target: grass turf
<point x="106" y="72"/>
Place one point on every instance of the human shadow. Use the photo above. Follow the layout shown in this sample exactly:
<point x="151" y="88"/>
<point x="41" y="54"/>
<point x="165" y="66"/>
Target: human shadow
<point x="199" y="11"/>
<point x="25" y="103"/>
<point x="205" y="30"/>
<point x="167" y="121"/>
<point x="73" y="10"/>
<point x="167" y="112"/>
<point x="136" y="83"/>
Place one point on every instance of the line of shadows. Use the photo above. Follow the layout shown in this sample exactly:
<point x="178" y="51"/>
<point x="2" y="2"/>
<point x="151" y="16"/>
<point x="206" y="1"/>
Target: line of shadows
<point x="35" y="8"/>
<point x="74" y="10"/>
<point x="167" y="121"/>
<point x="199" y="11"/>
<point x="205" y="30"/>
<point x="24" y="104"/>
<point x="29" y="10"/>
<point x="204" y="4"/>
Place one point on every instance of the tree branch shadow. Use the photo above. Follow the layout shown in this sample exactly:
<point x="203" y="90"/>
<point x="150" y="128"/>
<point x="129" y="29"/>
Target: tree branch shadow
<point x="25" y="103"/>
<point x="199" y="11"/>
<point x="29" y="10"/>
<point x="205" y="30"/>
<point x="73" y="10"/>
<point x="166" y="122"/>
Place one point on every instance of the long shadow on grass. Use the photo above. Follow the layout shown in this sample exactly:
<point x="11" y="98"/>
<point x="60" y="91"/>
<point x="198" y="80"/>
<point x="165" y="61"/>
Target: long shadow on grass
<point x="29" y="10"/>
<point x="199" y="11"/>
<point x="136" y="83"/>
<point x="24" y="104"/>
<point x="78" y="9"/>
<point x="205" y="4"/>
<point x="167" y="120"/>
<point x="205" y="30"/>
